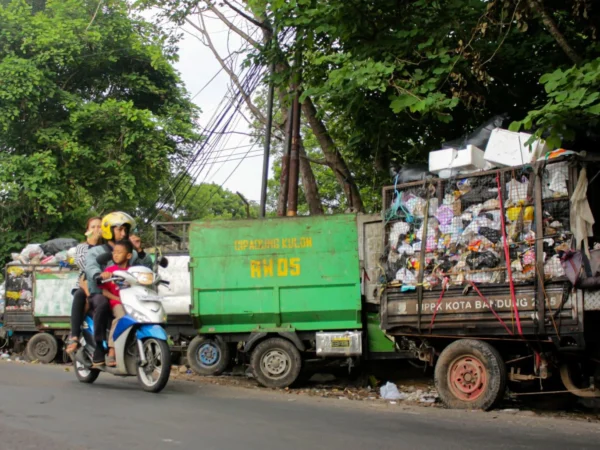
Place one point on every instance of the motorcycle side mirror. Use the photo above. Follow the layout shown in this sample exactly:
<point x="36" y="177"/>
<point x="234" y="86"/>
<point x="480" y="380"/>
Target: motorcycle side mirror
<point x="104" y="258"/>
<point x="163" y="262"/>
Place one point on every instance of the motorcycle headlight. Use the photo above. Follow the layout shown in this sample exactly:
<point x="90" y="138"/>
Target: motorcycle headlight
<point x="137" y="315"/>
<point x="145" y="278"/>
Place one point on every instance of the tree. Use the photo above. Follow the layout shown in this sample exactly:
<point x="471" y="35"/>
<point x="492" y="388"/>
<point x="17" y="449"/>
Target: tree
<point x="93" y="117"/>
<point x="210" y="201"/>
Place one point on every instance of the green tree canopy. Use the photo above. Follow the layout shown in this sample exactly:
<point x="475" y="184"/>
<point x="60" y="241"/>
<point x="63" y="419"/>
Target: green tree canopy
<point x="93" y="117"/>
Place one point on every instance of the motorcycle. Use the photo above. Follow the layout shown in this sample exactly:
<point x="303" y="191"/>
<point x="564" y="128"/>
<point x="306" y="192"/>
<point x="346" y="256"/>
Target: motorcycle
<point x="140" y="341"/>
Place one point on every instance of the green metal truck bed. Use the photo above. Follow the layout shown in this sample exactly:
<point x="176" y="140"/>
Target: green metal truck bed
<point x="276" y="274"/>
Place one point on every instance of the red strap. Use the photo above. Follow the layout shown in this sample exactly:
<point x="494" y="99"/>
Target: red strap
<point x="513" y="296"/>
<point x="491" y="309"/>
<point x="437" y="306"/>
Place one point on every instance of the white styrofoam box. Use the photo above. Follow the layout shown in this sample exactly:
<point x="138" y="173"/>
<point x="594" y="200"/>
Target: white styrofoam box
<point x="178" y="294"/>
<point x="507" y="148"/>
<point x="451" y="161"/>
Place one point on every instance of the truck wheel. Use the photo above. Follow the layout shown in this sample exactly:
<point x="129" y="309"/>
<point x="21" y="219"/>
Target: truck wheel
<point x="42" y="347"/>
<point x="470" y="374"/>
<point x="208" y="356"/>
<point x="276" y="363"/>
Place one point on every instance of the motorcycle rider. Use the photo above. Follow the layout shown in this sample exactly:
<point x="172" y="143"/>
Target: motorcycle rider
<point x="115" y="226"/>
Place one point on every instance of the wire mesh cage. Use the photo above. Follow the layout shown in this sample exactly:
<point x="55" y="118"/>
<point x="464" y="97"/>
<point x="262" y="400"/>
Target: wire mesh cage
<point x="462" y="230"/>
<point x="19" y="288"/>
<point x="172" y="237"/>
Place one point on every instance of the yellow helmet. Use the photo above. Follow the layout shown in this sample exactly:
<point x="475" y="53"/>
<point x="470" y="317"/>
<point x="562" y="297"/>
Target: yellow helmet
<point x="116" y="219"/>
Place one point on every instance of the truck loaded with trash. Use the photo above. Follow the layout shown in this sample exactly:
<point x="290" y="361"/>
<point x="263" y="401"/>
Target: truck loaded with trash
<point x="486" y="271"/>
<point x="486" y="268"/>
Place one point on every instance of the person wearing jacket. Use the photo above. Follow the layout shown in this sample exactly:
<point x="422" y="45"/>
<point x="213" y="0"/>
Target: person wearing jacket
<point x="93" y="235"/>
<point x="115" y="226"/>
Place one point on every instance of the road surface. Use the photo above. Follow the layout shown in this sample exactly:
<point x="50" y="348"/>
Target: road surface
<point x="44" y="407"/>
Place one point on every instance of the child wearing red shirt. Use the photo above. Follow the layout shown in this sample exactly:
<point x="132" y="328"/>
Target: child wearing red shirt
<point x="122" y="254"/>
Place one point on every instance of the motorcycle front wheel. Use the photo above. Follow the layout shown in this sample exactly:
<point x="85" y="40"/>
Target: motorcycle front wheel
<point x="154" y="375"/>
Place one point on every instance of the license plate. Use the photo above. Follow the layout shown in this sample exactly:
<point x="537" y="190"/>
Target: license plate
<point x="340" y="342"/>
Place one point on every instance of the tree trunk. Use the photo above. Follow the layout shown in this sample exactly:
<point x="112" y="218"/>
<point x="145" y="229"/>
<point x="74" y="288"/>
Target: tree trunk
<point x="309" y="184"/>
<point x="537" y="6"/>
<point x="333" y="157"/>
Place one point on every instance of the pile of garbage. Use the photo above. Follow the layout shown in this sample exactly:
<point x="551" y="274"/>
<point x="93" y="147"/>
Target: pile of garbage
<point x="59" y="252"/>
<point x="52" y="256"/>
<point x="458" y="224"/>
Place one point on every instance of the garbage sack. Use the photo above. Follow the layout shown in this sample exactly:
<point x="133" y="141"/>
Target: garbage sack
<point x="72" y="252"/>
<point x="445" y="214"/>
<point x="389" y="391"/>
<point x="483" y="260"/>
<point x="31" y="252"/>
<point x="517" y="191"/>
<point x="553" y="268"/>
<point x="481" y="277"/>
<point x="398" y="229"/>
<point x="406" y="277"/>
<point x="61" y="256"/>
<point x="480" y="136"/>
<point x="406" y="249"/>
<point x="55" y="246"/>
<point x="490" y="234"/>
<point x="410" y="172"/>
<point x="416" y="206"/>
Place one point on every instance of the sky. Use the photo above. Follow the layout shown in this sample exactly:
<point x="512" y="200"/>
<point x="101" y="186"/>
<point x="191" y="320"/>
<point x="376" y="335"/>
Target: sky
<point x="197" y="66"/>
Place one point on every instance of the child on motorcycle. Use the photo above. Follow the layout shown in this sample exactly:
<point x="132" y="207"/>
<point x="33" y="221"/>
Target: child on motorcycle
<point x="121" y="255"/>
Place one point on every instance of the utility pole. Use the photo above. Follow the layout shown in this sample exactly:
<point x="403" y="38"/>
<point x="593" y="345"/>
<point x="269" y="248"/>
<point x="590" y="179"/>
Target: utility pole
<point x="265" y="173"/>
<point x="294" y="163"/>
<point x="285" y="165"/>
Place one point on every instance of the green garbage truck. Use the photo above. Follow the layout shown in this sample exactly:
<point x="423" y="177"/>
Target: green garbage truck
<point x="488" y="278"/>
<point x="283" y="291"/>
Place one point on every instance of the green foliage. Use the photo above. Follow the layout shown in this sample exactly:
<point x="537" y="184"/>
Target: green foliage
<point x="92" y="116"/>
<point x="211" y="201"/>
<point x="396" y="79"/>
<point x="573" y="98"/>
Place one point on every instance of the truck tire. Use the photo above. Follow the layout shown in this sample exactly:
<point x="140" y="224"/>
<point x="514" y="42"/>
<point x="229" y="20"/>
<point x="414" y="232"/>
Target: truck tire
<point x="470" y="374"/>
<point x="208" y="356"/>
<point x="42" y="347"/>
<point x="276" y="363"/>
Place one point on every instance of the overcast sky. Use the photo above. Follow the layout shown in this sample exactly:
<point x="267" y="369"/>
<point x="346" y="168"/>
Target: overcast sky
<point x="197" y="66"/>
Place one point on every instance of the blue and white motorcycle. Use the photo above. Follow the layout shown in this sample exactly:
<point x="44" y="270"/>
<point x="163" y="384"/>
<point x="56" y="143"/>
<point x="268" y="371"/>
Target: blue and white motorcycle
<point x="140" y="340"/>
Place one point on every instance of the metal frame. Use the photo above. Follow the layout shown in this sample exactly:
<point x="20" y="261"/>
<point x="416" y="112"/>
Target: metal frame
<point x="471" y="326"/>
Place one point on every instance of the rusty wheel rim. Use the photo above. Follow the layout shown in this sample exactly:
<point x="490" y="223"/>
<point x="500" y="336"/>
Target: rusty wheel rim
<point x="467" y="378"/>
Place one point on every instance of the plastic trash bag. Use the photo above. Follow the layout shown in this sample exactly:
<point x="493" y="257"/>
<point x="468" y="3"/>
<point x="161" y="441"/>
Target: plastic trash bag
<point x="410" y="172"/>
<point x="483" y="260"/>
<point x="31" y="252"/>
<point x="398" y="229"/>
<point x="517" y="191"/>
<point x="55" y="246"/>
<point x="491" y="234"/>
<point x="444" y="214"/>
<point x="553" y="268"/>
<point x="389" y="391"/>
<point x="406" y="249"/>
<point x="480" y="136"/>
<point x="406" y="276"/>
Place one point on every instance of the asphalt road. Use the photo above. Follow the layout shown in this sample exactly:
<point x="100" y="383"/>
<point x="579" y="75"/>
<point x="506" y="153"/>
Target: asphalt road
<point x="44" y="407"/>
